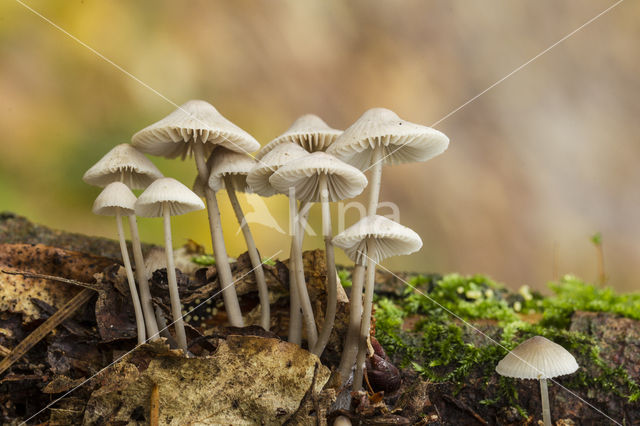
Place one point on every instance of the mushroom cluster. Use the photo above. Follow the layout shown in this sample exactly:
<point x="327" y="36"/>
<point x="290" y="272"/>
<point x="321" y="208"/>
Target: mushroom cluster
<point x="310" y="163"/>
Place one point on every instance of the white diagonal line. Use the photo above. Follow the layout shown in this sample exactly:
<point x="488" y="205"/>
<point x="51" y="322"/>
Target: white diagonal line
<point x="607" y="10"/>
<point x="148" y="338"/>
<point x="491" y="339"/>
<point x="128" y="74"/>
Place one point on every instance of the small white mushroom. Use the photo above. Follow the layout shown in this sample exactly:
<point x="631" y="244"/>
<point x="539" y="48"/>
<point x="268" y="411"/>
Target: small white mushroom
<point x="229" y="171"/>
<point x="164" y="198"/>
<point x="320" y="177"/>
<point x="115" y="200"/>
<point x="196" y="127"/>
<point x="538" y="358"/>
<point x="369" y="241"/>
<point x="127" y="165"/>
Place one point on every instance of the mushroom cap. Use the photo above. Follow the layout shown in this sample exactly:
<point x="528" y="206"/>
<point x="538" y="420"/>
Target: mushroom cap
<point x="537" y="358"/>
<point x="179" y="199"/>
<point x="392" y="239"/>
<point x="402" y="141"/>
<point x="343" y="181"/>
<point x="126" y="163"/>
<point x="115" y="198"/>
<point x="258" y="178"/>
<point x="193" y="122"/>
<point x="309" y="132"/>
<point x="233" y="164"/>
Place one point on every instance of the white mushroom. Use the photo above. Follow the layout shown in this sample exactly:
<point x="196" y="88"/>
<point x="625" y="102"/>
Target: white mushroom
<point x="258" y="180"/>
<point x="197" y="128"/>
<point x="320" y="177"/>
<point x="164" y="198"/>
<point x="372" y="239"/>
<point x="115" y="200"/>
<point x="126" y="164"/>
<point x="538" y="358"/>
<point x="229" y="171"/>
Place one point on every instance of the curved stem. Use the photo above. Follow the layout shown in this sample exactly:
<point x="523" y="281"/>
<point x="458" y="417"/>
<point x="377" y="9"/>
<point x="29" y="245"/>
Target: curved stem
<point x="365" y="323"/>
<point x="374" y="182"/>
<point x="225" y="277"/>
<point x="256" y="262"/>
<point x="176" y="307"/>
<point x="143" y="281"/>
<point x="132" y="283"/>
<point x="332" y="282"/>
<point x="350" y="348"/>
<point x="544" y="394"/>
<point x="295" y="313"/>
<point x="303" y="295"/>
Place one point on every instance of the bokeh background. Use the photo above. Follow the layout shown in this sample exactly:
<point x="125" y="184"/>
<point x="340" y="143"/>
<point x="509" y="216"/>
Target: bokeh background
<point x="535" y="166"/>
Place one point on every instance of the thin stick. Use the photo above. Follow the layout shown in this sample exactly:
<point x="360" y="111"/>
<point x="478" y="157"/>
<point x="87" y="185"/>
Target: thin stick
<point x="137" y="308"/>
<point x="143" y="281"/>
<point x="52" y="322"/>
<point x="93" y="287"/>
<point x="254" y="256"/>
<point x="332" y="282"/>
<point x="174" y="295"/>
<point x="154" y="406"/>
<point x="225" y="277"/>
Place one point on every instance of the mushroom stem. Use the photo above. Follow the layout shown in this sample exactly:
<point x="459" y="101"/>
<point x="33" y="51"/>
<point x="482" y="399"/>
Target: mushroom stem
<point x="355" y="316"/>
<point x="546" y="411"/>
<point x="143" y="282"/>
<point x="332" y="291"/>
<point x="256" y="262"/>
<point x="295" y="314"/>
<point x="132" y="283"/>
<point x="365" y="324"/>
<point x="176" y="308"/>
<point x="374" y="182"/>
<point x="225" y="277"/>
<point x="303" y="295"/>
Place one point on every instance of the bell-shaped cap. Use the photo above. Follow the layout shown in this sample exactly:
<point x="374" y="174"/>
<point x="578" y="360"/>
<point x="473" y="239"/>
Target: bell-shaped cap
<point x="115" y="198"/>
<point x="402" y="141"/>
<point x="391" y="239"/>
<point x="343" y="181"/>
<point x="309" y="132"/>
<point x="167" y="191"/>
<point x="124" y="164"/>
<point x="258" y="178"/>
<point x="537" y="358"/>
<point x="193" y="122"/>
<point x="230" y="164"/>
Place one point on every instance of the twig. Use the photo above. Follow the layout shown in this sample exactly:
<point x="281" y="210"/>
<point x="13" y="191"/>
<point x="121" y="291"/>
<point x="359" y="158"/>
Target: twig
<point x="462" y="406"/>
<point x="154" y="406"/>
<point x="52" y="322"/>
<point x="94" y="287"/>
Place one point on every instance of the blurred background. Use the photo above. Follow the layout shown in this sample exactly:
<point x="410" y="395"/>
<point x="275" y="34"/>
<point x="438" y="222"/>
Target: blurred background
<point x="535" y="166"/>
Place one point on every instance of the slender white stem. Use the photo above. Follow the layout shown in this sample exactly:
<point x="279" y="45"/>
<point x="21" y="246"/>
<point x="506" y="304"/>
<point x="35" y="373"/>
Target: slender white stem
<point x="546" y="411"/>
<point x="350" y="348"/>
<point x="176" y="307"/>
<point x="365" y="323"/>
<point x="143" y="281"/>
<point x="132" y="283"/>
<point x="374" y="182"/>
<point x="256" y="262"/>
<point x="303" y="294"/>
<point x="332" y="282"/>
<point x="225" y="277"/>
<point x="295" y="313"/>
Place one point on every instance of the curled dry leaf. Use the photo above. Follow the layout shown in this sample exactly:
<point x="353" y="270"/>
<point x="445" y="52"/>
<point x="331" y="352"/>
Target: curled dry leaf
<point x="249" y="380"/>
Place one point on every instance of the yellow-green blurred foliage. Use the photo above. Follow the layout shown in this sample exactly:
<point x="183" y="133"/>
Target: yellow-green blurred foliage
<point x="535" y="166"/>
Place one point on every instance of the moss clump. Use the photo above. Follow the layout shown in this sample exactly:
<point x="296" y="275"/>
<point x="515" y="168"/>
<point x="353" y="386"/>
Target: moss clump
<point x="426" y="329"/>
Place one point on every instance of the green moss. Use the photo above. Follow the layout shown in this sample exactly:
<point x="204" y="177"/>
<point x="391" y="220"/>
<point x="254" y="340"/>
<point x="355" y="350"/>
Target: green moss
<point x="345" y="278"/>
<point x="442" y="348"/>
<point x="204" y="260"/>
